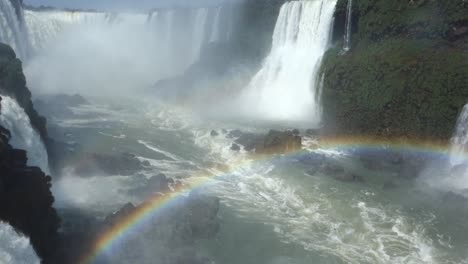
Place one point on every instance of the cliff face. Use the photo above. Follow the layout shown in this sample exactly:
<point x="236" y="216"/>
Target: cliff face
<point x="13" y="83"/>
<point x="406" y="74"/>
<point x="26" y="200"/>
<point x="25" y="196"/>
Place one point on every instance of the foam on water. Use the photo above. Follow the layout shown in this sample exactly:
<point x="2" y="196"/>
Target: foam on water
<point x="356" y="230"/>
<point x="219" y="146"/>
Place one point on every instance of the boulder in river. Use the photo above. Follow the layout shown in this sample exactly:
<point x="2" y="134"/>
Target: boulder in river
<point x="276" y="142"/>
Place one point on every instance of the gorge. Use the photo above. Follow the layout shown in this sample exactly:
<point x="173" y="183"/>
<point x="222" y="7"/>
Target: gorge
<point x="256" y="131"/>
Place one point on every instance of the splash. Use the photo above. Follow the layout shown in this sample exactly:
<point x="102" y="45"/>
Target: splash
<point x="286" y="88"/>
<point x="23" y="135"/>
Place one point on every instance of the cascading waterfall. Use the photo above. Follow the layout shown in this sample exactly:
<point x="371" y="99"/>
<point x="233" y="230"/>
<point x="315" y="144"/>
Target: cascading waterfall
<point x="23" y="136"/>
<point x="44" y="26"/>
<point x="347" y="36"/>
<point x="15" y="248"/>
<point x="180" y="34"/>
<point x="460" y="139"/>
<point x="12" y="31"/>
<point x="286" y="88"/>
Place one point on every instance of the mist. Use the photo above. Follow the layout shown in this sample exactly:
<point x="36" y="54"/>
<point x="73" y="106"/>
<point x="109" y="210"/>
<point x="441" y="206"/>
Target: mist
<point x="98" y="59"/>
<point x="120" y="5"/>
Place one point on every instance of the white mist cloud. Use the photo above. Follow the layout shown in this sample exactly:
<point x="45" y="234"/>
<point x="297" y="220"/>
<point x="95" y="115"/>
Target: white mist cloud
<point x="97" y="59"/>
<point x="120" y="4"/>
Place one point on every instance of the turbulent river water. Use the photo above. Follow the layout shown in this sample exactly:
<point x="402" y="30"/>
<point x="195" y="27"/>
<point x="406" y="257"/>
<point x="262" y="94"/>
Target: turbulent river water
<point x="273" y="210"/>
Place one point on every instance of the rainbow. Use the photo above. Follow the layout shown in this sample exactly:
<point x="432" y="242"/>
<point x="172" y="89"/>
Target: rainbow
<point x="153" y="207"/>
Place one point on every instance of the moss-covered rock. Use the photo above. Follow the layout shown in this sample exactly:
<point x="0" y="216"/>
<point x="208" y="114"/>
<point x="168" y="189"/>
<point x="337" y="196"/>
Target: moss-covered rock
<point x="406" y="76"/>
<point x="375" y="20"/>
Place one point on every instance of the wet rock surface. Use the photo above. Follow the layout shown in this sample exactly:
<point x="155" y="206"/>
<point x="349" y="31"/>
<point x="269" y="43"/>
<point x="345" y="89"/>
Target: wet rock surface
<point x="274" y="142"/>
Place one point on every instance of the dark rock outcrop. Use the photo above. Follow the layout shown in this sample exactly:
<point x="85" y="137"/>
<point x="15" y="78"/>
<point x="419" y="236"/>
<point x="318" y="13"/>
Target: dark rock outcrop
<point x="235" y="147"/>
<point x="214" y="133"/>
<point x="26" y="200"/>
<point x="171" y="232"/>
<point x="279" y="142"/>
<point x="13" y="83"/>
<point x="274" y="142"/>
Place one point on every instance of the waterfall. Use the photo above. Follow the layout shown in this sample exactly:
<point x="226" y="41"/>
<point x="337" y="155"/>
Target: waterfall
<point x="44" y="26"/>
<point x="23" y="136"/>
<point x="12" y="31"/>
<point x="15" y="248"/>
<point x="286" y="87"/>
<point x="459" y="146"/>
<point x="179" y="35"/>
<point x="347" y="36"/>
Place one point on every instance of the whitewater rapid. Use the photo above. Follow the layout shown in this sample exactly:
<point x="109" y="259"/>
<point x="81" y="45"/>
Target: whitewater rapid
<point x="287" y="87"/>
<point x="273" y="202"/>
<point x="23" y="135"/>
<point x="15" y="248"/>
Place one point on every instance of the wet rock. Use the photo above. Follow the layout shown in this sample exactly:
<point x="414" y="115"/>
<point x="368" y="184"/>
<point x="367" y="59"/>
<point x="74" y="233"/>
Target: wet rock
<point x="235" y="147"/>
<point x="348" y="177"/>
<point x="296" y="132"/>
<point x="204" y="221"/>
<point x="172" y="233"/>
<point x="159" y="183"/>
<point x="114" y="218"/>
<point x="214" y="133"/>
<point x="276" y="142"/>
<point x="235" y="133"/>
<point x="26" y="200"/>
<point x="389" y="185"/>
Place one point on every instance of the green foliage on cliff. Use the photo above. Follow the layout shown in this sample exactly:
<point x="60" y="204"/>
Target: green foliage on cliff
<point x="407" y="73"/>
<point x="379" y="19"/>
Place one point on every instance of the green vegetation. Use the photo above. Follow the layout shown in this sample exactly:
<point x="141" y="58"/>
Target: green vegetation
<point x="407" y="74"/>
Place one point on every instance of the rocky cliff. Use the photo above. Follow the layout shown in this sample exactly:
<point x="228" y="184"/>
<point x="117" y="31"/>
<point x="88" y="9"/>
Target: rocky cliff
<point x="26" y="200"/>
<point x="13" y="83"/>
<point x="406" y="74"/>
<point x="25" y="197"/>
